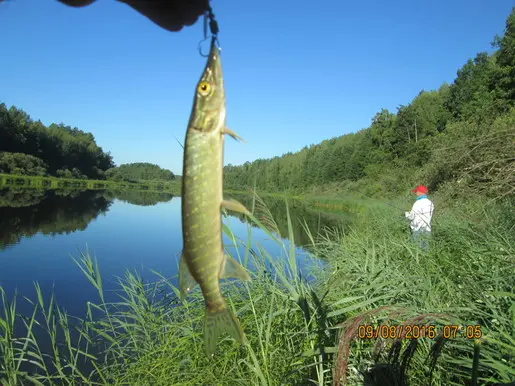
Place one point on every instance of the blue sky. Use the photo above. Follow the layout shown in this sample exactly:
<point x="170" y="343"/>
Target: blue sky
<point x="295" y="74"/>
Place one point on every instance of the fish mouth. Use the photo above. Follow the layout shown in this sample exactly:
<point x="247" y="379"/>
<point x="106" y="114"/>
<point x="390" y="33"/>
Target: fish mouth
<point x="214" y="51"/>
<point x="214" y="64"/>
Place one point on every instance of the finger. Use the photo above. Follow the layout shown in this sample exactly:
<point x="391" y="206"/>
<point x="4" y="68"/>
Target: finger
<point x="77" y="3"/>
<point x="171" y="15"/>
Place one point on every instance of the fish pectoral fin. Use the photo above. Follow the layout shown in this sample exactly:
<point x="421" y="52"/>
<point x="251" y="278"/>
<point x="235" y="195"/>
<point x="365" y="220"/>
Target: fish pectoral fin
<point x="186" y="281"/>
<point x="235" y="206"/>
<point x="232" y="268"/>
<point x="228" y="131"/>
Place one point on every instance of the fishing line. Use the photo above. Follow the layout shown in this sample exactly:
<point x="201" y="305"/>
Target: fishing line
<point x="387" y="203"/>
<point x="383" y="202"/>
<point x="213" y="29"/>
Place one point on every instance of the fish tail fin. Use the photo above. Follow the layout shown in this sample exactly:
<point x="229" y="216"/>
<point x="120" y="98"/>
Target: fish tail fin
<point x="218" y="322"/>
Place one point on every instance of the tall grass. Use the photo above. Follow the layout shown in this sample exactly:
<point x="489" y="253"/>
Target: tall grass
<point x="298" y="332"/>
<point x="466" y="278"/>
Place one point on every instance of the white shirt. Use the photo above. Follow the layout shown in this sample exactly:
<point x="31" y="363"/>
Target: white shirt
<point x="420" y="215"/>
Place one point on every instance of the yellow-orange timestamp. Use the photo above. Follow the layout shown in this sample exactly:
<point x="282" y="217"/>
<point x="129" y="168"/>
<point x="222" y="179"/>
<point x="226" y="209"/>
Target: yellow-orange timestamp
<point x="400" y="331"/>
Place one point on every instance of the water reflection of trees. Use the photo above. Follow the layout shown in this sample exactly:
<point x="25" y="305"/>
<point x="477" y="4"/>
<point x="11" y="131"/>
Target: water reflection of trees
<point x="25" y="212"/>
<point x="141" y="198"/>
<point x="316" y="221"/>
<point x="19" y="197"/>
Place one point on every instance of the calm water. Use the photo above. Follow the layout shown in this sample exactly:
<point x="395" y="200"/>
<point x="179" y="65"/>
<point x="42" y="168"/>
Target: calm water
<point x="40" y="231"/>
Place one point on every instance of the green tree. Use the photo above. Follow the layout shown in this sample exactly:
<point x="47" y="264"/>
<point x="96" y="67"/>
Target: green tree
<point x="21" y="164"/>
<point x="60" y="147"/>
<point x="139" y="171"/>
<point x="506" y="59"/>
<point x="399" y="149"/>
<point x="382" y="130"/>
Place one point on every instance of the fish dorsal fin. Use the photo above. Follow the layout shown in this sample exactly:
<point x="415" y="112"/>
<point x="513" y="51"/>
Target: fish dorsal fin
<point x="186" y="281"/>
<point x="232" y="268"/>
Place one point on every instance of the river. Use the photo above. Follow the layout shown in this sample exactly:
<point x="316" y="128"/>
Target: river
<point x="41" y="230"/>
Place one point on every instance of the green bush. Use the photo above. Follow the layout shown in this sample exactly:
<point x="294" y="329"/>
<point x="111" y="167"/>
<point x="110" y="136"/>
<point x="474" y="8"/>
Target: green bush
<point x="21" y="164"/>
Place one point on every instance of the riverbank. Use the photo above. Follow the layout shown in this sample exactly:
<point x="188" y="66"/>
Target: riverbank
<point x="326" y="200"/>
<point x="10" y="181"/>
<point x="329" y="201"/>
<point x="299" y="330"/>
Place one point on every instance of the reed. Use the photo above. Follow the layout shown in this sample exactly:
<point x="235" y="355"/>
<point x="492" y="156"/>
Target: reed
<point x="299" y="331"/>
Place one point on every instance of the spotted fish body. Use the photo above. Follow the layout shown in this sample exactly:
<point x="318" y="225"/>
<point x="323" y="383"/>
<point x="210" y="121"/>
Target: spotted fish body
<point x="203" y="260"/>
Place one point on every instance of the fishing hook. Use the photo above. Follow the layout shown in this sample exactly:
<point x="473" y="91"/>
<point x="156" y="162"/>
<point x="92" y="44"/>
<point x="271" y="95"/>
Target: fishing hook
<point x="213" y="28"/>
<point x="214" y="39"/>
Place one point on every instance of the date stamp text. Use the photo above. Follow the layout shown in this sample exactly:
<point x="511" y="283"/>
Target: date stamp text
<point x="401" y="331"/>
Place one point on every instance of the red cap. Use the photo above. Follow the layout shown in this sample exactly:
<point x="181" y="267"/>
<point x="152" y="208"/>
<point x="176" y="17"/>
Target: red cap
<point x="421" y="189"/>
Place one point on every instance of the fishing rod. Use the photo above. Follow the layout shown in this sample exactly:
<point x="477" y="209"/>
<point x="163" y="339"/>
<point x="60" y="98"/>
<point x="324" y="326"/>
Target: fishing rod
<point x="385" y="202"/>
<point x="381" y="201"/>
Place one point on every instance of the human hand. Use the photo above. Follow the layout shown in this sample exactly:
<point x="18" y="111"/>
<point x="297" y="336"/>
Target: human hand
<point x="171" y="15"/>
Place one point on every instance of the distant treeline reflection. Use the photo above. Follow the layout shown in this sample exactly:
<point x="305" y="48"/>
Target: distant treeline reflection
<point x="25" y="212"/>
<point x="141" y="198"/>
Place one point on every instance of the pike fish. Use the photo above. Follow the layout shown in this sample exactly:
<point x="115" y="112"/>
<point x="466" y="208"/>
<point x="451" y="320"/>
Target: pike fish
<point x="203" y="260"/>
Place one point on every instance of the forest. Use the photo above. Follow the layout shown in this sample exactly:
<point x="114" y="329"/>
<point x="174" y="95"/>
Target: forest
<point x="139" y="171"/>
<point x="462" y="132"/>
<point x="28" y="147"/>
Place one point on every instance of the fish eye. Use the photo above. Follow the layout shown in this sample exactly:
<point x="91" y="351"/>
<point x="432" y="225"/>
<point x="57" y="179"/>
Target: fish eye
<point x="204" y="88"/>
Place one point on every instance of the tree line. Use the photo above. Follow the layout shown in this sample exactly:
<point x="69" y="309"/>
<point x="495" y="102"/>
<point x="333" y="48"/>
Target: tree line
<point x="139" y="171"/>
<point x="460" y="131"/>
<point x="28" y="147"/>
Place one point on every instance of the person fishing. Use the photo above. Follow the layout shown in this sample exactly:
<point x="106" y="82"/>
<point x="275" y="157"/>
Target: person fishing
<point x="171" y="15"/>
<point x="420" y="217"/>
